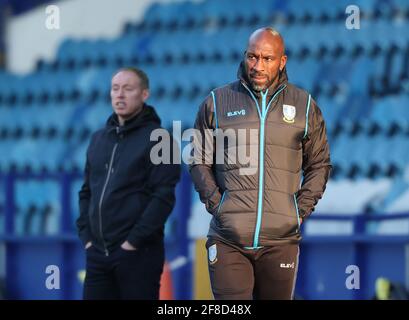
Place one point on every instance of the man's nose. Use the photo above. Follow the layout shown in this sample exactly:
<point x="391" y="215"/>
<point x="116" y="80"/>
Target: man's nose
<point x="259" y="65"/>
<point x="120" y="93"/>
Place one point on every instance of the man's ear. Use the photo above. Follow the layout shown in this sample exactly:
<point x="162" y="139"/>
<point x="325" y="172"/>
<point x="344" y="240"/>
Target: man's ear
<point x="145" y="94"/>
<point x="283" y="62"/>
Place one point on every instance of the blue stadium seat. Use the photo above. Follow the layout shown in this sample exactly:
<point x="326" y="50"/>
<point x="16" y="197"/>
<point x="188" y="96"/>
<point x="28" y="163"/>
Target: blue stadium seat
<point x="52" y="151"/>
<point x="361" y="69"/>
<point x="398" y="153"/>
<point x="7" y="119"/>
<point x="11" y="85"/>
<point x="326" y="37"/>
<point x="233" y="10"/>
<point x="96" y="116"/>
<point x="167" y="111"/>
<point x="162" y="44"/>
<point x="306" y="78"/>
<point x="2" y="222"/>
<point x="330" y="110"/>
<point x="121" y="48"/>
<point x="78" y="158"/>
<point x="51" y="221"/>
<point x="360" y="149"/>
<point x="380" y="31"/>
<point x="214" y="11"/>
<point x="164" y="13"/>
<point x="65" y="50"/>
<point x="27" y="194"/>
<point x="291" y="35"/>
<point x="340" y="152"/>
<point x="5" y="159"/>
<point x="388" y="111"/>
<point x="75" y="188"/>
<point x="379" y="152"/>
<point x="296" y="8"/>
<point x="95" y="79"/>
<point x="72" y="51"/>
<point x="2" y="205"/>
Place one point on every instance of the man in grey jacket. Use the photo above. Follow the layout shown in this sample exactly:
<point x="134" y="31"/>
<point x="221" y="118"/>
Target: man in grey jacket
<point x="255" y="229"/>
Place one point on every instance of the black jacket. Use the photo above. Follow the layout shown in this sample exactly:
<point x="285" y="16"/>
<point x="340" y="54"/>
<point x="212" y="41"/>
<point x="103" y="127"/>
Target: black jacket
<point x="124" y="195"/>
<point x="264" y="207"/>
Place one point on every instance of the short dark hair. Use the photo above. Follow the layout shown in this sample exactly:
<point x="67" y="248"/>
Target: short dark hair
<point x="139" y="73"/>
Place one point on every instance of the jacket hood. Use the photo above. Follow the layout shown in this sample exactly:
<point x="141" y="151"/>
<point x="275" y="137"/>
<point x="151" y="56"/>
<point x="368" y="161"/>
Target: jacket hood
<point x="241" y="74"/>
<point x="146" y="116"/>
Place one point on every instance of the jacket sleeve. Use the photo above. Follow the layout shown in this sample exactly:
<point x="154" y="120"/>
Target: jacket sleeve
<point x="201" y="167"/>
<point x="316" y="163"/>
<point x="162" y="182"/>
<point x="84" y="201"/>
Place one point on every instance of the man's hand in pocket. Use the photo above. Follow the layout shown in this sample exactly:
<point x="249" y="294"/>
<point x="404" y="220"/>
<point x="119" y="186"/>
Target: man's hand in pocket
<point x="127" y="246"/>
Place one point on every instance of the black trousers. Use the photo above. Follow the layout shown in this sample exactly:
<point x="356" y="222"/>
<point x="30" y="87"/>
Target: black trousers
<point x="124" y="274"/>
<point x="244" y="274"/>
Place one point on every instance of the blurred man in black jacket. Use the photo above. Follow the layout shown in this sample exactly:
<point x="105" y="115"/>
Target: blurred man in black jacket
<point x="125" y="199"/>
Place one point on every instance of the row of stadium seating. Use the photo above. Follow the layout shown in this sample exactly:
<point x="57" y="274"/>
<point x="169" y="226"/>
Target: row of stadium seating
<point x="353" y="156"/>
<point x="187" y="47"/>
<point x="38" y="207"/>
<point x="352" y="112"/>
<point x="386" y="74"/>
<point x="187" y="15"/>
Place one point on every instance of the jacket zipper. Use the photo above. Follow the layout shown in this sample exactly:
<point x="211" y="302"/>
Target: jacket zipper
<point x="102" y="197"/>
<point x="263" y="114"/>
<point x="261" y="169"/>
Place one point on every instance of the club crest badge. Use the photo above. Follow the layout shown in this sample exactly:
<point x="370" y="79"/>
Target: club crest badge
<point x="212" y="254"/>
<point x="289" y="113"/>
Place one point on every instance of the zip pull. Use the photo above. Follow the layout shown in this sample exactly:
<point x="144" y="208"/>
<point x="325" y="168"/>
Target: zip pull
<point x="117" y="130"/>
<point x="263" y="102"/>
<point x="106" y="252"/>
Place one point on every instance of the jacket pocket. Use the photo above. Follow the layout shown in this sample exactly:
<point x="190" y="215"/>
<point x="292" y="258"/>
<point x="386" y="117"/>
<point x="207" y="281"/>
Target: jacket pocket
<point x="296" y="211"/>
<point x="219" y="207"/>
<point x="213" y="201"/>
